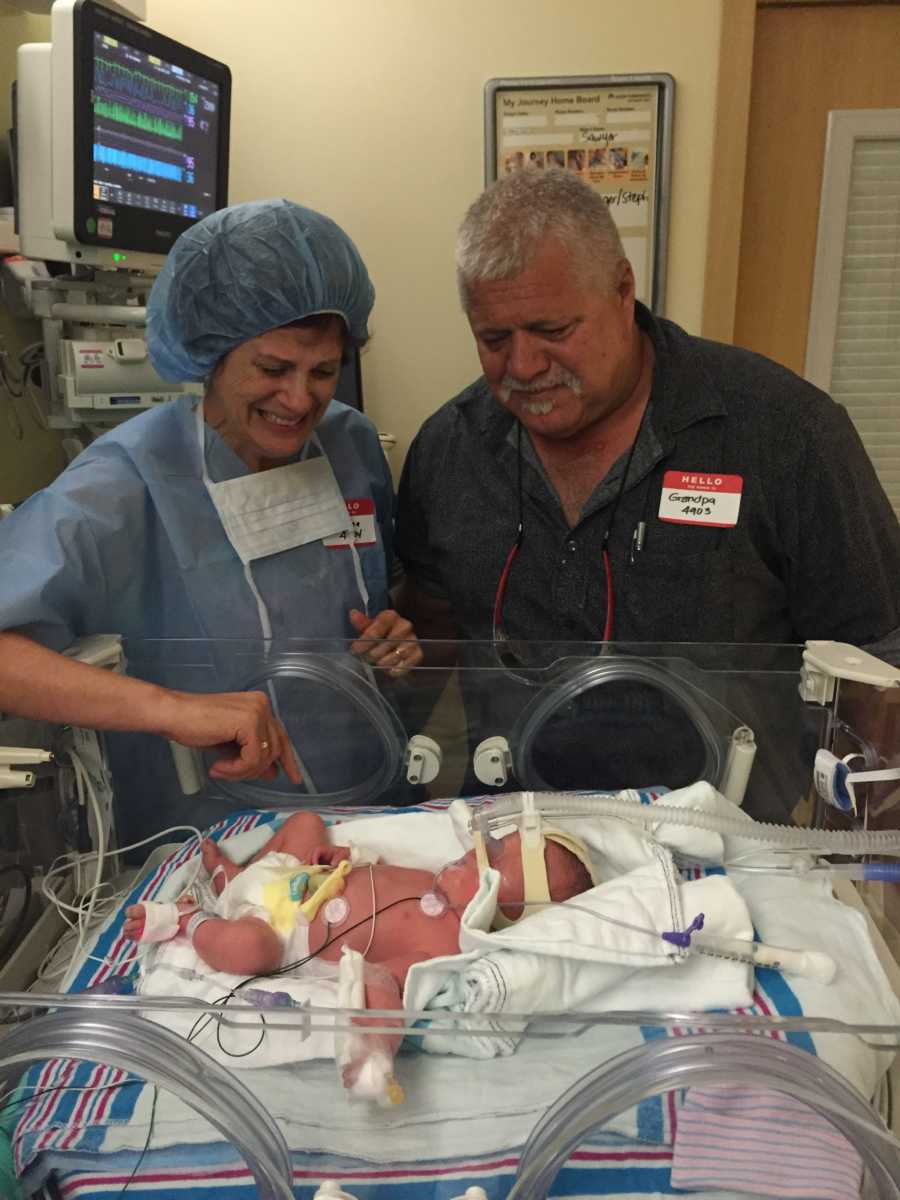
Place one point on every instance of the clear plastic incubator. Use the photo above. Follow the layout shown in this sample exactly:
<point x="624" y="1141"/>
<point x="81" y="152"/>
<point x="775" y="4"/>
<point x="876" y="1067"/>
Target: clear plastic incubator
<point x="569" y="920"/>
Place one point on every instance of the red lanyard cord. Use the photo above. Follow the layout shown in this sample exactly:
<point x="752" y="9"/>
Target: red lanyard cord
<point x="499" y="634"/>
<point x="610" y="602"/>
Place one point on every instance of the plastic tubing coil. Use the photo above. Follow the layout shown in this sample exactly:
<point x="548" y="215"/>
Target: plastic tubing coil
<point x="164" y="1059"/>
<point x="697" y="1061"/>
<point x="563" y="804"/>
<point x="594" y="673"/>
<point x="336" y="674"/>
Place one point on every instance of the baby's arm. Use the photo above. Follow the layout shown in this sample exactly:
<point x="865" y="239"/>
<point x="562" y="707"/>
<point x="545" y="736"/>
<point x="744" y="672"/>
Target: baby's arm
<point x="368" y="1054"/>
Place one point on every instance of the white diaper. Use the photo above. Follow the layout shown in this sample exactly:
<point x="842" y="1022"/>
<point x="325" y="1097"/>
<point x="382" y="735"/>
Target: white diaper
<point x="250" y="894"/>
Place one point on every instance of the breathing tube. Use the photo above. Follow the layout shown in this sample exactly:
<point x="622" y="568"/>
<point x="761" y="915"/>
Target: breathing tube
<point x="343" y="675"/>
<point x="703" y="1060"/>
<point x="167" y="1061"/>
<point x="626" y="806"/>
<point x="620" y="669"/>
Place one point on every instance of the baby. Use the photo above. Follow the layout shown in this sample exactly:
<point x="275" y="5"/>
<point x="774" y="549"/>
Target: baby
<point x="301" y="897"/>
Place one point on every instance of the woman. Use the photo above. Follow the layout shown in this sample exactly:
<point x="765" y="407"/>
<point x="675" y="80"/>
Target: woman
<point x="221" y="518"/>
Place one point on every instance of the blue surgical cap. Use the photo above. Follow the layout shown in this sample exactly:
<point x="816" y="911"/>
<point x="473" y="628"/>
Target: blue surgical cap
<point x="247" y="269"/>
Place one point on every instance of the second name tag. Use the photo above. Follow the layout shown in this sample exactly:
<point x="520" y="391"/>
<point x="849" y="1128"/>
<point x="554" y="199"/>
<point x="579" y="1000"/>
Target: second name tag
<point x="701" y="498"/>
<point x="362" y="532"/>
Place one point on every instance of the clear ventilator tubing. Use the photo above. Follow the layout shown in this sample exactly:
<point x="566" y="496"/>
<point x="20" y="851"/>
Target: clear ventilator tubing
<point x="561" y="804"/>
<point x="168" y="1061"/>
<point x="704" y="1060"/>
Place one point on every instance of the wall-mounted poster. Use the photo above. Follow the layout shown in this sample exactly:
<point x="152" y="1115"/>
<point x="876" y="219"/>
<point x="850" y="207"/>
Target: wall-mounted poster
<point x="615" y="131"/>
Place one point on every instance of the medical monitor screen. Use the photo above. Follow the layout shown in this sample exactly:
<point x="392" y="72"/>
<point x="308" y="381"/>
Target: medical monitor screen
<point x="151" y="144"/>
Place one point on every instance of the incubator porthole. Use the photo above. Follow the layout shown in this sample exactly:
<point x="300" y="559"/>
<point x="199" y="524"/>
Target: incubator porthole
<point x="327" y="704"/>
<point x="616" y="723"/>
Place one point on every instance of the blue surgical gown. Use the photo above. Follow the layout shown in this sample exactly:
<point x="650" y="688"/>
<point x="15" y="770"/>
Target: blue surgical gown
<point x="127" y="541"/>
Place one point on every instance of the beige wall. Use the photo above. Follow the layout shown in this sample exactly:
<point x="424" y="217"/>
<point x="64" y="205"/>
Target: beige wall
<point x="372" y="111"/>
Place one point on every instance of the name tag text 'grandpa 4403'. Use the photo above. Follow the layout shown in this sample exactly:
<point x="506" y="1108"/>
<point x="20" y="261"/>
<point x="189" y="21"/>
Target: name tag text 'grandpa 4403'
<point x="701" y="498"/>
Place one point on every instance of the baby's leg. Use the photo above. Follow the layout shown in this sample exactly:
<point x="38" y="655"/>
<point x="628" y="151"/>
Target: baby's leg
<point x="246" y="946"/>
<point x="300" y="835"/>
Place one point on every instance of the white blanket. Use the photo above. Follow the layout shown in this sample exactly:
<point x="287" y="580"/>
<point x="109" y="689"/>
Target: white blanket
<point x="567" y="958"/>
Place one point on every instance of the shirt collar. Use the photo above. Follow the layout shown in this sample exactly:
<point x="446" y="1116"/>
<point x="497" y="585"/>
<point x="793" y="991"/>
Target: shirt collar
<point x="681" y="393"/>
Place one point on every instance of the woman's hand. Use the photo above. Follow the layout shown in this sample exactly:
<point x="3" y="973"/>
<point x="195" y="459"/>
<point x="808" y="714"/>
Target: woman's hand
<point x="239" y="726"/>
<point x="379" y="638"/>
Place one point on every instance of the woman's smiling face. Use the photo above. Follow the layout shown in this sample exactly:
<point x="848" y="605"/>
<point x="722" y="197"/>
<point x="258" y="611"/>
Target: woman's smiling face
<point x="267" y="395"/>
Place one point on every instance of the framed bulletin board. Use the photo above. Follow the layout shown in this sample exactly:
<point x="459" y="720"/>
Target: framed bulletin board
<point x="615" y="131"/>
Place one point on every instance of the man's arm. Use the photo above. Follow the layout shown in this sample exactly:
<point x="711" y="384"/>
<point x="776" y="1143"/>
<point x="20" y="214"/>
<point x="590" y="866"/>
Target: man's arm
<point x="432" y="616"/>
<point x="40" y="684"/>
<point x="434" y="621"/>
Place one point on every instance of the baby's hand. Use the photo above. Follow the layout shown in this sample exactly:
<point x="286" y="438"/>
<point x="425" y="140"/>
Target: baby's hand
<point x="329" y="856"/>
<point x="134" y="922"/>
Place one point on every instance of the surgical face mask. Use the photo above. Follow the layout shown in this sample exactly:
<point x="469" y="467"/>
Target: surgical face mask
<point x="267" y="512"/>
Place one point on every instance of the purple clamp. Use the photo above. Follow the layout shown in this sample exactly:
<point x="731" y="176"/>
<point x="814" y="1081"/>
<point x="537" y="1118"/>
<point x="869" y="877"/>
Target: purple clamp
<point x="683" y="939"/>
<point x="268" y="999"/>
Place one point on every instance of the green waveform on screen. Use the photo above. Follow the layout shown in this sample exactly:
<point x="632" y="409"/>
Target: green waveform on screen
<point x="114" y="111"/>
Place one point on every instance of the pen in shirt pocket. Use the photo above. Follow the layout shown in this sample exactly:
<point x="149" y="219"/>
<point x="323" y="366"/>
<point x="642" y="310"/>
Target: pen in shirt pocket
<point x="637" y="538"/>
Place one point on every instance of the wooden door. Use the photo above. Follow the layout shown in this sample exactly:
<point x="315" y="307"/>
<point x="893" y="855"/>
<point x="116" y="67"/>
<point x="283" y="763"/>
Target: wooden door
<point x="808" y="59"/>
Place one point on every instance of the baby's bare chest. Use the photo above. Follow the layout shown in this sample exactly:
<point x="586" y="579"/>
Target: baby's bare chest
<point x="396" y="924"/>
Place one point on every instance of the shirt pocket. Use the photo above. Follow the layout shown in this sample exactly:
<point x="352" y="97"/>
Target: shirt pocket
<point x="677" y="597"/>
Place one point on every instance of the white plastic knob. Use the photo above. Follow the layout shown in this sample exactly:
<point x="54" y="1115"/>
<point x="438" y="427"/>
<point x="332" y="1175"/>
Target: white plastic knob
<point x="330" y="1190"/>
<point x="492" y="761"/>
<point x="423" y="759"/>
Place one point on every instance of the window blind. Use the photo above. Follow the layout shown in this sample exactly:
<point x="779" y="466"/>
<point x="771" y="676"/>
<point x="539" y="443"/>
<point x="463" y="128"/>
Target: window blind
<point x="865" y="372"/>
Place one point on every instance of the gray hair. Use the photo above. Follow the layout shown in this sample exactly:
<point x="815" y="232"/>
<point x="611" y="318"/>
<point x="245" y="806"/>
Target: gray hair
<point x="505" y="228"/>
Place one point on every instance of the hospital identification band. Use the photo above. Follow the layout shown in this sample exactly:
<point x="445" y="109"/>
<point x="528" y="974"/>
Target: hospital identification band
<point x="701" y="498"/>
<point x="362" y="532"/>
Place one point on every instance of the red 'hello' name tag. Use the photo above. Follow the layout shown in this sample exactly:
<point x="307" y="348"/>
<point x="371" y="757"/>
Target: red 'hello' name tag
<point x="701" y="498"/>
<point x="362" y="532"/>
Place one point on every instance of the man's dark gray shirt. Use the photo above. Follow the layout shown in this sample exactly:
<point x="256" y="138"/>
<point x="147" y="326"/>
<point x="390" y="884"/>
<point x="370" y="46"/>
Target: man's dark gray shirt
<point x="815" y="551"/>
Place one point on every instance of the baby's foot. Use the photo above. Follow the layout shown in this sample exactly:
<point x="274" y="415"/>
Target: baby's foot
<point x="136" y="916"/>
<point x="219" y="867"/>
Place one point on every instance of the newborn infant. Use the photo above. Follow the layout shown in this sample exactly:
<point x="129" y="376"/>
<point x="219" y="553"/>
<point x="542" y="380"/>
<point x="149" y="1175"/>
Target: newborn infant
<point x="394" y="916"/>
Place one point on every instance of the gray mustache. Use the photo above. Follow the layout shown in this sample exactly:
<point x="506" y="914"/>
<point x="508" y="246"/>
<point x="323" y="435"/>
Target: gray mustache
<point x="510" y="384"/>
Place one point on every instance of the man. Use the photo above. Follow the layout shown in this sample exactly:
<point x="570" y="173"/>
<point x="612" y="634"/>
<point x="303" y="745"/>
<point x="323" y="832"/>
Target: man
<point x="610" y="476"/>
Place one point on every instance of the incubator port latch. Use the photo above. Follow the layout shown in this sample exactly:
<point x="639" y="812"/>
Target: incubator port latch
<point x="824" y="662"/>
<point x="492" y="761"/>
<point x="423" y="759"/>
<point x="330" y="1190"/>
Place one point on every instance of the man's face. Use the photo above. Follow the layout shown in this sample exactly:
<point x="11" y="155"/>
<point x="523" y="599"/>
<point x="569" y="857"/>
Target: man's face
<point x="559" y="353"/>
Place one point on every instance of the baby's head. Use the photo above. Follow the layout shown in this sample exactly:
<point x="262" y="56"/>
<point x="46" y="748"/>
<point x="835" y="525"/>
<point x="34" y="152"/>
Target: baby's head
<point x="566" y="875"/>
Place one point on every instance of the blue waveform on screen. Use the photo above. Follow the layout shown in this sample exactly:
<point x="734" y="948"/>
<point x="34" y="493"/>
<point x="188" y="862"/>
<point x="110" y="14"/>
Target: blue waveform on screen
<point x="137" y="162"/>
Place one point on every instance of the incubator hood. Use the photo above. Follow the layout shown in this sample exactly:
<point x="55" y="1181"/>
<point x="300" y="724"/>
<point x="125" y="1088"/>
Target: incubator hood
<point x="738" y="807"/>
